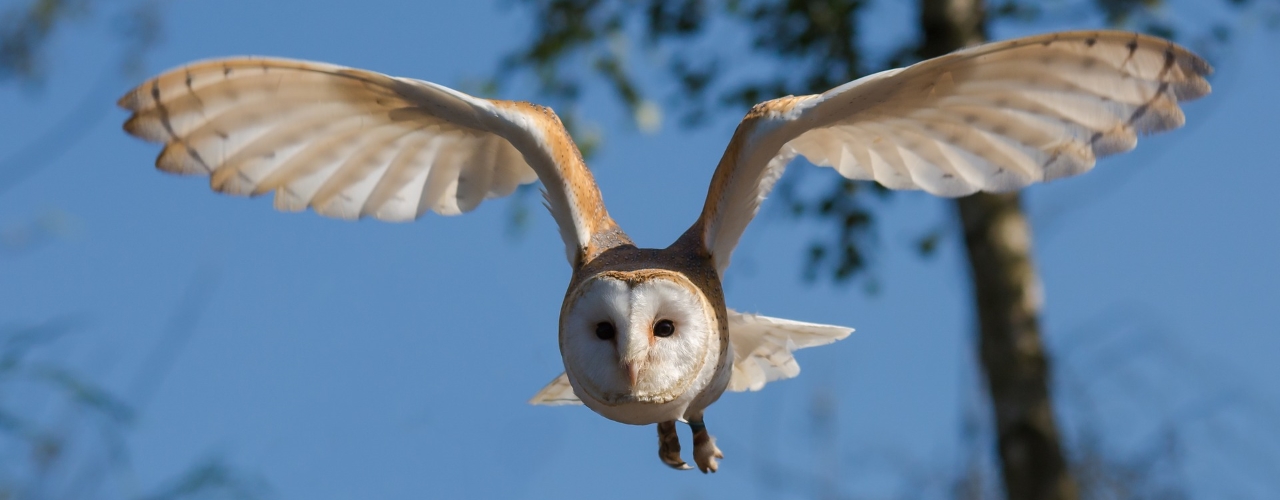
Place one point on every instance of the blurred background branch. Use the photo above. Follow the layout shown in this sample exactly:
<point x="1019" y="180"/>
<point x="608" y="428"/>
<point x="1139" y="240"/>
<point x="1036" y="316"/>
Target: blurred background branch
<point x="67" y="437"/>
<point x="27" y="31"/>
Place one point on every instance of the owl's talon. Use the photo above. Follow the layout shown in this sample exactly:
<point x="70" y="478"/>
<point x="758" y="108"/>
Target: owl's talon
<point x="705" y="451"/>
<point x="706" y="454"/>
<point x="669" y="446"/>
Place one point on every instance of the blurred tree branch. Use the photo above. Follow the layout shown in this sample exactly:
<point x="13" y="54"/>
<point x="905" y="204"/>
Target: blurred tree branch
<point x="1119" y="367"/>
<point x="25" y="34"/>
<point x="78" y="453"/>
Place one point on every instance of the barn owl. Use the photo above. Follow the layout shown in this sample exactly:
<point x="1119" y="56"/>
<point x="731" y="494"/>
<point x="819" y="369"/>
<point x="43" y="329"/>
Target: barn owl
<point x="644" y="333"/>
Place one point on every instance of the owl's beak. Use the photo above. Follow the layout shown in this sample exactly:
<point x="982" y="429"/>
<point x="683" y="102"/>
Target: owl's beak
<point x="633" y="373"/>
<point x="633" y="351"/>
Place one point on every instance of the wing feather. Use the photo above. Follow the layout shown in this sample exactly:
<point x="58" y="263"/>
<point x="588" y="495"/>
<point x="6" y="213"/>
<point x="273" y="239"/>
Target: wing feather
<point x="995" y="117"/>
<point x="763" y="347"/>
<point x="395" y="197"/>
<point x="344" y="192"/>
<point x="557" y="393"/>
<point x="349" y="143"/>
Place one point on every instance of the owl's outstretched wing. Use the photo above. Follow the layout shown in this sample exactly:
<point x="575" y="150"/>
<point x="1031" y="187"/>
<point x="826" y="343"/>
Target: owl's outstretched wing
<point x="762" y="347"/>
<point x="994" y="117"/>
<point x="350" y="143"/>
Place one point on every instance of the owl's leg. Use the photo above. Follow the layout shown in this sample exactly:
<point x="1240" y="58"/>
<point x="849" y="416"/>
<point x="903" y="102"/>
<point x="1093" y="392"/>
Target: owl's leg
<point x="669" y="446"/>
<point x="705" y="451"/>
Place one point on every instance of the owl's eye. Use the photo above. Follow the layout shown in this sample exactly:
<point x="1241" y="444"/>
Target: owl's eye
<point x="664" y="328"/>
<point x="605" y="330"/>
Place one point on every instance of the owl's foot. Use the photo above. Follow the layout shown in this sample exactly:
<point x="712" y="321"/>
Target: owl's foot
<point x="705" y="451"/>
<point x="669" y="446"/>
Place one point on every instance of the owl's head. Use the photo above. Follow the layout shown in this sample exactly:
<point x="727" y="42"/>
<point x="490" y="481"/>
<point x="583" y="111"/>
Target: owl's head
<point x="636" y="337"/>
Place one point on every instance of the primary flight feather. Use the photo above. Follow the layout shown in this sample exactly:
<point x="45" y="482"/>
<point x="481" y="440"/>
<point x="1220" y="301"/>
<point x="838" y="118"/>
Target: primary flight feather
<point x="644" y="333"/>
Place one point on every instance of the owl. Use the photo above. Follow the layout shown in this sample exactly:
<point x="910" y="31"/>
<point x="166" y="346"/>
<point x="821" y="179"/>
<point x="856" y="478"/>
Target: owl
<point x="644" y="333"/>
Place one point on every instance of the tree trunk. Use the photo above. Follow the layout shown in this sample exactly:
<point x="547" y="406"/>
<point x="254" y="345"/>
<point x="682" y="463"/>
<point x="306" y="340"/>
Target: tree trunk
<point x="1007" y="291"/>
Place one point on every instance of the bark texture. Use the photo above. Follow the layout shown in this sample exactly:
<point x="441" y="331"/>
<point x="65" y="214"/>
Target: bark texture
<point x="1007" y="291"/>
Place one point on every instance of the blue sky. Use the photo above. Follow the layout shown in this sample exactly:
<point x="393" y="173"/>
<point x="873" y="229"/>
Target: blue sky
<point x="373" y="360"/>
